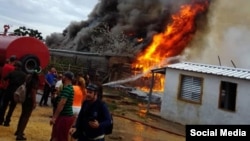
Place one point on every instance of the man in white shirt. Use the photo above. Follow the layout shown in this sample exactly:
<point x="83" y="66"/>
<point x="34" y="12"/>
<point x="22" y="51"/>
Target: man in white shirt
<point x="58" y="88"/>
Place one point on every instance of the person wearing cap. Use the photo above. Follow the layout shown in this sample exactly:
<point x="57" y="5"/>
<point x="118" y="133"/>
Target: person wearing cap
<point x="7" y="68"/>
<point x="63" y="117"/>
<point x="29" y="104"/>
<point x="93" y="118"/>
<point x="15" y="79"/>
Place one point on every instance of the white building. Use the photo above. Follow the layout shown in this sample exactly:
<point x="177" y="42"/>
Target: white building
<point x="205" y="94"/>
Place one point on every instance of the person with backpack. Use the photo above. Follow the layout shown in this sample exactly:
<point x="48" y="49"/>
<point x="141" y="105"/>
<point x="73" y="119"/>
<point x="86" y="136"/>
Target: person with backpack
<point x="93" y="119"/>
<point x="29" y="104"/>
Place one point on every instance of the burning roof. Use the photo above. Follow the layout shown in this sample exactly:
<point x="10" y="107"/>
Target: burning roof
<point x="175" y="37"/>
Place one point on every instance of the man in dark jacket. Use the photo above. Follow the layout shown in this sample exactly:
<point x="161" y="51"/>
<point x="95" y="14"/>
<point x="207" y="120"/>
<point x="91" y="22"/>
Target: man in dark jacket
<point x="15" y="78"/>
<point x="93" y="118"/>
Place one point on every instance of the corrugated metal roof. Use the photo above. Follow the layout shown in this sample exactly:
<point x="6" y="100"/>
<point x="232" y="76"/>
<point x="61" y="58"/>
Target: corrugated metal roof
<point x="212" y="69"/>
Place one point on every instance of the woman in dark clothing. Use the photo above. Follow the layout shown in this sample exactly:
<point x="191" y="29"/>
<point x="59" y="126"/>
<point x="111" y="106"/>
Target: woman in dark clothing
<point x="32" y="83"/>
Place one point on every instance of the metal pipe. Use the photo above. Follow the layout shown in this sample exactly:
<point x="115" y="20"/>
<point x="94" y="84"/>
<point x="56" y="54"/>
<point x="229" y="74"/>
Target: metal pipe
<point x="73" y="52"/>
<point x="219" y="60"/>
<point x="233" y="63"/>
<point x="70" y="52"/>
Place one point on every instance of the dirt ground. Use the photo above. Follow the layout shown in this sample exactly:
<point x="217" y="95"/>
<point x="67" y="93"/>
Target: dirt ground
<point x="129" y="115"/>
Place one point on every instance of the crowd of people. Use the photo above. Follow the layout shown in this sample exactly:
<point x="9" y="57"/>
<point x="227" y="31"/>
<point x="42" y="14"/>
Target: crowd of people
<point x="78" y="112"/>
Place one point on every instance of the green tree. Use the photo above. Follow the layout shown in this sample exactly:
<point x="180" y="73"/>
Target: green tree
<point x="23" y="31"/>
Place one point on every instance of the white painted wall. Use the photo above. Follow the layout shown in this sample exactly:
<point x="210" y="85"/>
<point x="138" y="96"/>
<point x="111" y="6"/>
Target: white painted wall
<point x="207" y="112"/>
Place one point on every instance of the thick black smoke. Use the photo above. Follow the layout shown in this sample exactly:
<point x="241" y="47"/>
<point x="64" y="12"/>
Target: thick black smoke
<point x="116" y="26"/>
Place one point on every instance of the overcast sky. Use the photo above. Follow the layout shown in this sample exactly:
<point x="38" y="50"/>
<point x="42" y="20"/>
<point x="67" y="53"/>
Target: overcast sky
<point x="47" y="16"/>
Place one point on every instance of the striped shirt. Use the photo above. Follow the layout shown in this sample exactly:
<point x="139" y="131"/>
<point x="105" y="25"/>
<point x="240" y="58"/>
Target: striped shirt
<point x="68" y="93"/>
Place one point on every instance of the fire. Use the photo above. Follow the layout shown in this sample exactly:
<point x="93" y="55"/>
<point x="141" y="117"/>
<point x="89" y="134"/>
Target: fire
<point x="173" y="40"/>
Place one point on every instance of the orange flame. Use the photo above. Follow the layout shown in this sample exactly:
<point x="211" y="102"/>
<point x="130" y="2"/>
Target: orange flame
<point x="173" y="40"/>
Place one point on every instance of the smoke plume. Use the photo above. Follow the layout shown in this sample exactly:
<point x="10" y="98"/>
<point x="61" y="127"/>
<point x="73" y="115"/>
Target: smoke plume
<point x="120" y="27"/>
<point x="225" y="40"/>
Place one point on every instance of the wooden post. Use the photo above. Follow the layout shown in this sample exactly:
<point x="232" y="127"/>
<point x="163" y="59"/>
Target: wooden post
<point x="150" y="91"/>
<point x="69" y="68"/>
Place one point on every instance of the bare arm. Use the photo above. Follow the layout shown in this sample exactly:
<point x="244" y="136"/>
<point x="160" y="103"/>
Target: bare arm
<point x="58" y="110"/>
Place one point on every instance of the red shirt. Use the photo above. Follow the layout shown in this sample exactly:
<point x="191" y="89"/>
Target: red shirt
<point x="7" y="68"/>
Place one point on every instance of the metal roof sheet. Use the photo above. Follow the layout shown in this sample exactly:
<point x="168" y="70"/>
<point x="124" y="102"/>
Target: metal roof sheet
<point x="212" y="69"/>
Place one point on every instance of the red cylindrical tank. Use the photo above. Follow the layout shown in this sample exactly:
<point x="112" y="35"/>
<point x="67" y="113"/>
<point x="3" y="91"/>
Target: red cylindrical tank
<point x="30" y="51"/>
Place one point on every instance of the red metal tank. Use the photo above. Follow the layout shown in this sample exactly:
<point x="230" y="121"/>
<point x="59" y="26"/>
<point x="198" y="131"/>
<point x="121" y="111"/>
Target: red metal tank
<point x="30" y="51"/>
